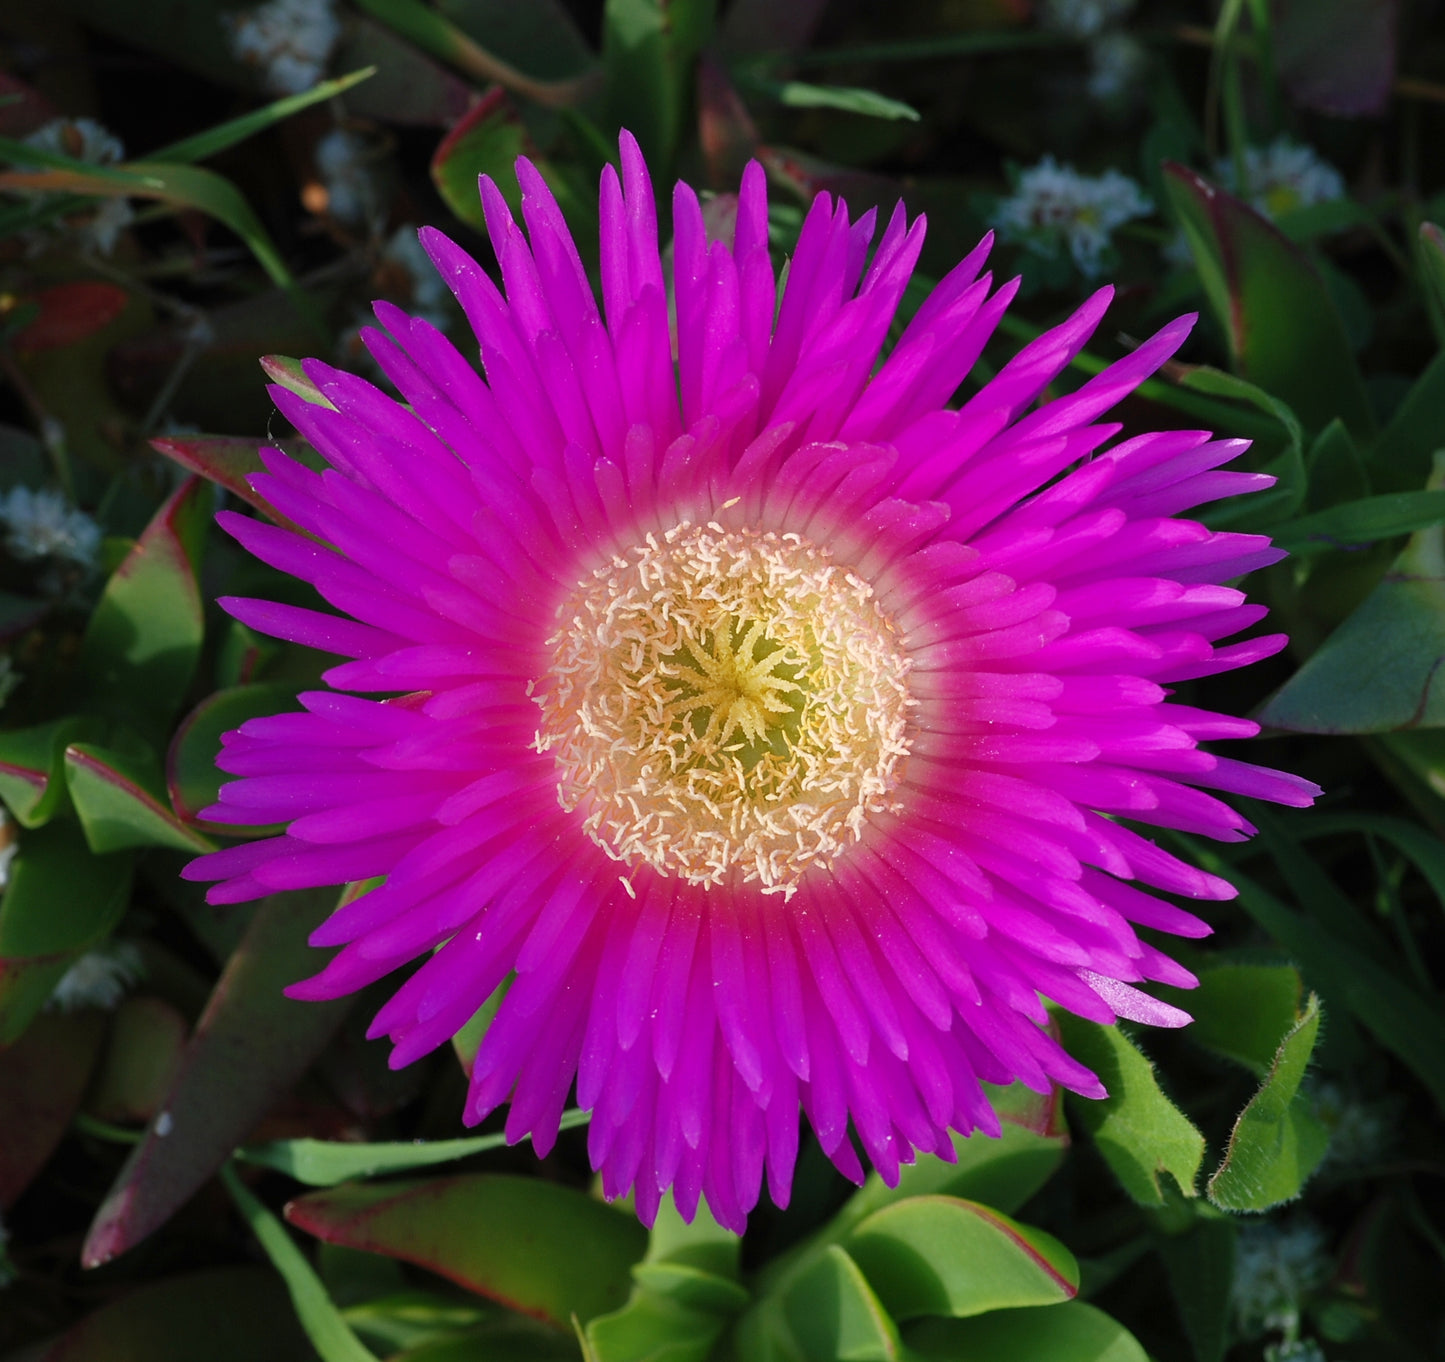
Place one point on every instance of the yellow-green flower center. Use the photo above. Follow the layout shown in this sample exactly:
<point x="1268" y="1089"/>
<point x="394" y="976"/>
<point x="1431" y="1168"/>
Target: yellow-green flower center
<point x="725" y="704"/>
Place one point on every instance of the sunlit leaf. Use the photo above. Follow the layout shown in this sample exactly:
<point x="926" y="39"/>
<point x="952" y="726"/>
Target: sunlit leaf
<point x="117" y="797"/>
<point x="32" y="769"/>
<point x="1072" y="1332"/>
<point x="1139" y="1131"/>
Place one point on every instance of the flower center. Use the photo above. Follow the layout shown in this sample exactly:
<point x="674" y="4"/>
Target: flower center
<point x="725" y="703"/>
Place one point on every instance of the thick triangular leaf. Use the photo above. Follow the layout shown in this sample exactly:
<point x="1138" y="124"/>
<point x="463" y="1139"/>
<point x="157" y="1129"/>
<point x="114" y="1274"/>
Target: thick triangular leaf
<point x="1072" y="1332"/>
<point x="117" y="796"/>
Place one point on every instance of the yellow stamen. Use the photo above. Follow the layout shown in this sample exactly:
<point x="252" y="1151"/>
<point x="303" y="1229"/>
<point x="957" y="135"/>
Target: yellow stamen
<point x="725" y="703"/>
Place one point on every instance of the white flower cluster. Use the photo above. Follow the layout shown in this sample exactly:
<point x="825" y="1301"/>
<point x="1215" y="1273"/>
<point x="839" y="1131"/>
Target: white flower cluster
<point x="1282" y="177"/>
<point x="83" y="139"/>
<point x="1116" y="62"/>
<point x="1054" y="207"/>
<point x="1276" y="1267"/>
<point x="44" y="525"/>
<point x="341" y="161"/>
<point x="99" y="978"/>
<point x="1082" y="18"/>
<point x="289" y="40"/>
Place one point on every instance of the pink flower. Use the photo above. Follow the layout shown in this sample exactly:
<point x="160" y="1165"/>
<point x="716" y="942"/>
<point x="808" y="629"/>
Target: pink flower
<point x="765" y="722"/>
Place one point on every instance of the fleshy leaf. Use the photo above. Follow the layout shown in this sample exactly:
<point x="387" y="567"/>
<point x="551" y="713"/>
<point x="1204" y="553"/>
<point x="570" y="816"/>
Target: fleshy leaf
<point x="1072" y="1332"/>
<point x="1277" y="1142"/>
<point x="250" y="1045"/>
<point x="1283" y="328"/>
<point x="42" y="1077"/>
<point x="192" y="777"/>
<point x="290" y="375"/>
<point x="1200" y="1266"/>
<point x="176" y="1320"/>
<point x="536" y="1246"/>
<point x="487" y="141"/>
<point x="70" y="312"/>
<point x="1139" y="1131"/>
<point x="142" y="1050"/>
<point x="826" y="1311"/>
<point x="60" y="902"/>
<point x="226" y="460"/>
<point x="325" y="1163"/>
<point x="1379" y="669"/>
<point x="144" y="639"/>
<point x="936" y="1255"/>
<point x="115" y="796"/>
<point x="1432" y="262"/>
<point x="32" y="767"/>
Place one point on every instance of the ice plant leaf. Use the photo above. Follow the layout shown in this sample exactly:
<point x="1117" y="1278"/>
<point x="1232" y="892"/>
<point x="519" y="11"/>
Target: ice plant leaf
<point x="250" y="1045"/>
<point x="229" y="1314"/>
<point x="60" y="902"/>
<point x="1363" y="521"/>
<point x="144" y="638"/>
<point x="535" y="1246"/>
<point x="192" y="779"/>
<point x="1200" y="1265"/>
<point x="115" y="796"/>
<point x="486" y="140"/>
<point x="1432" y="262"/>
<point x="290" y="375"/>
<point x="1139" y="1131"/>
<point x="42" y="1078"/>
<point x="1284" y="329"/>
<point x="226" y="460"/>
<point x="142" y="1050"/>
<point x="324" y="1163"/>
<point x="772" y="734"/>
<point x="936" y="1255"/>
<point x="1277" y="1142"/>
<point x="827" y="1310"/>
<point x="1072" y="1332"/>
<point x="32" y="769"/>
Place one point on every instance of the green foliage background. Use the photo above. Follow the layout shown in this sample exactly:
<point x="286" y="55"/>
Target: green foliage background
<point x="1265" y="1184"/>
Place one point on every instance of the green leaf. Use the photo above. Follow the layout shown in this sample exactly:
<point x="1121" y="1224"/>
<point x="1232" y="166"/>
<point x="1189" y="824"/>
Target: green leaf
<point x="1432" y="264"/>
<point x="144" y="638"/>
<point x="289" y="374"/>
<point x="1140" y="1132"/>
<point x="540" y="37"/>
<point x="226" y="460"/>
<point x="325" y="1163"/>
<point x="487" y="141"/>
<point x="649" y="52"/>
<point x="536" y="1246"/>
<point x="1200" y="1266"/>
<point x="1277" y="1142"/>
<point x="1401" y="459"/>
<point x="1403" y="1020"/>
<point x="1284" y="331"/>
<point x="1423" y="848"/>
<point x="228" y="1314"/>
<point x="797" y="94"/>
<point x="115" y="795"/>
<point x="654" y="1328"/>
<point x="42" y="1078"/>
<point x="937" y="1255"/>
<point x="1336" y="468"/>
<point x="1362" y="522"/>
<point x="143" y="1048"/>
<point x="329" y="1333"/>
<point x="61" y="901"/>
<point x="32" y="768"/>
<point x="1378" y="670"/>
<point x="250" y="1045"/>
<point x="1241" y="1011"/>
<point x="228" y="134"/>
<point x="830" y="1312"/>
<point x="1072" y="1332"/>
<point x="192" y="777"/>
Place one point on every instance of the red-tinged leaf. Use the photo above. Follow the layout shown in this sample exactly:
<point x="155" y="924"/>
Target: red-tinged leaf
<point x="23" y="108"/>
<point x="61" y="901"/>
<point x="192" y="777"/>
<point x="938" y="1255"/>
<point x="230" y="1314"/>
<point x="147" y="1036"/>
<point x="289" y="374"/>
<point x="1337" y="56"/>
<point x="486" y="141"/>
<point x="32" y="764"/>
<point x="42" y="1077"/>
<point x="70" y="312"/>
<point x="144" y="638"/>
<point x="1284" y="330"/>
<point x="226" y="460"/>
<point x="535" y="1246"/>
<point x="116" y="797"/>
<point x="250" y="1046"/>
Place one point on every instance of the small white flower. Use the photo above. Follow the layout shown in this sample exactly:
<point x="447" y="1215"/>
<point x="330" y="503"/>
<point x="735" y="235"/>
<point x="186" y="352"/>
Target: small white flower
<point x="44" y="525"/>
<point x="1276" y="1267"/>
<point x="1053" y="207"/>
<point x="1282" y="177"/>
<point x="290" y="40"/>
<point x="99" y="978"/>
<point x="1300" y="1350"/>
<point x="1082" y="18"/>
<point x="350" y="189"/>
<point x="1116" y="63"/>
<point x="86" y="140"/>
